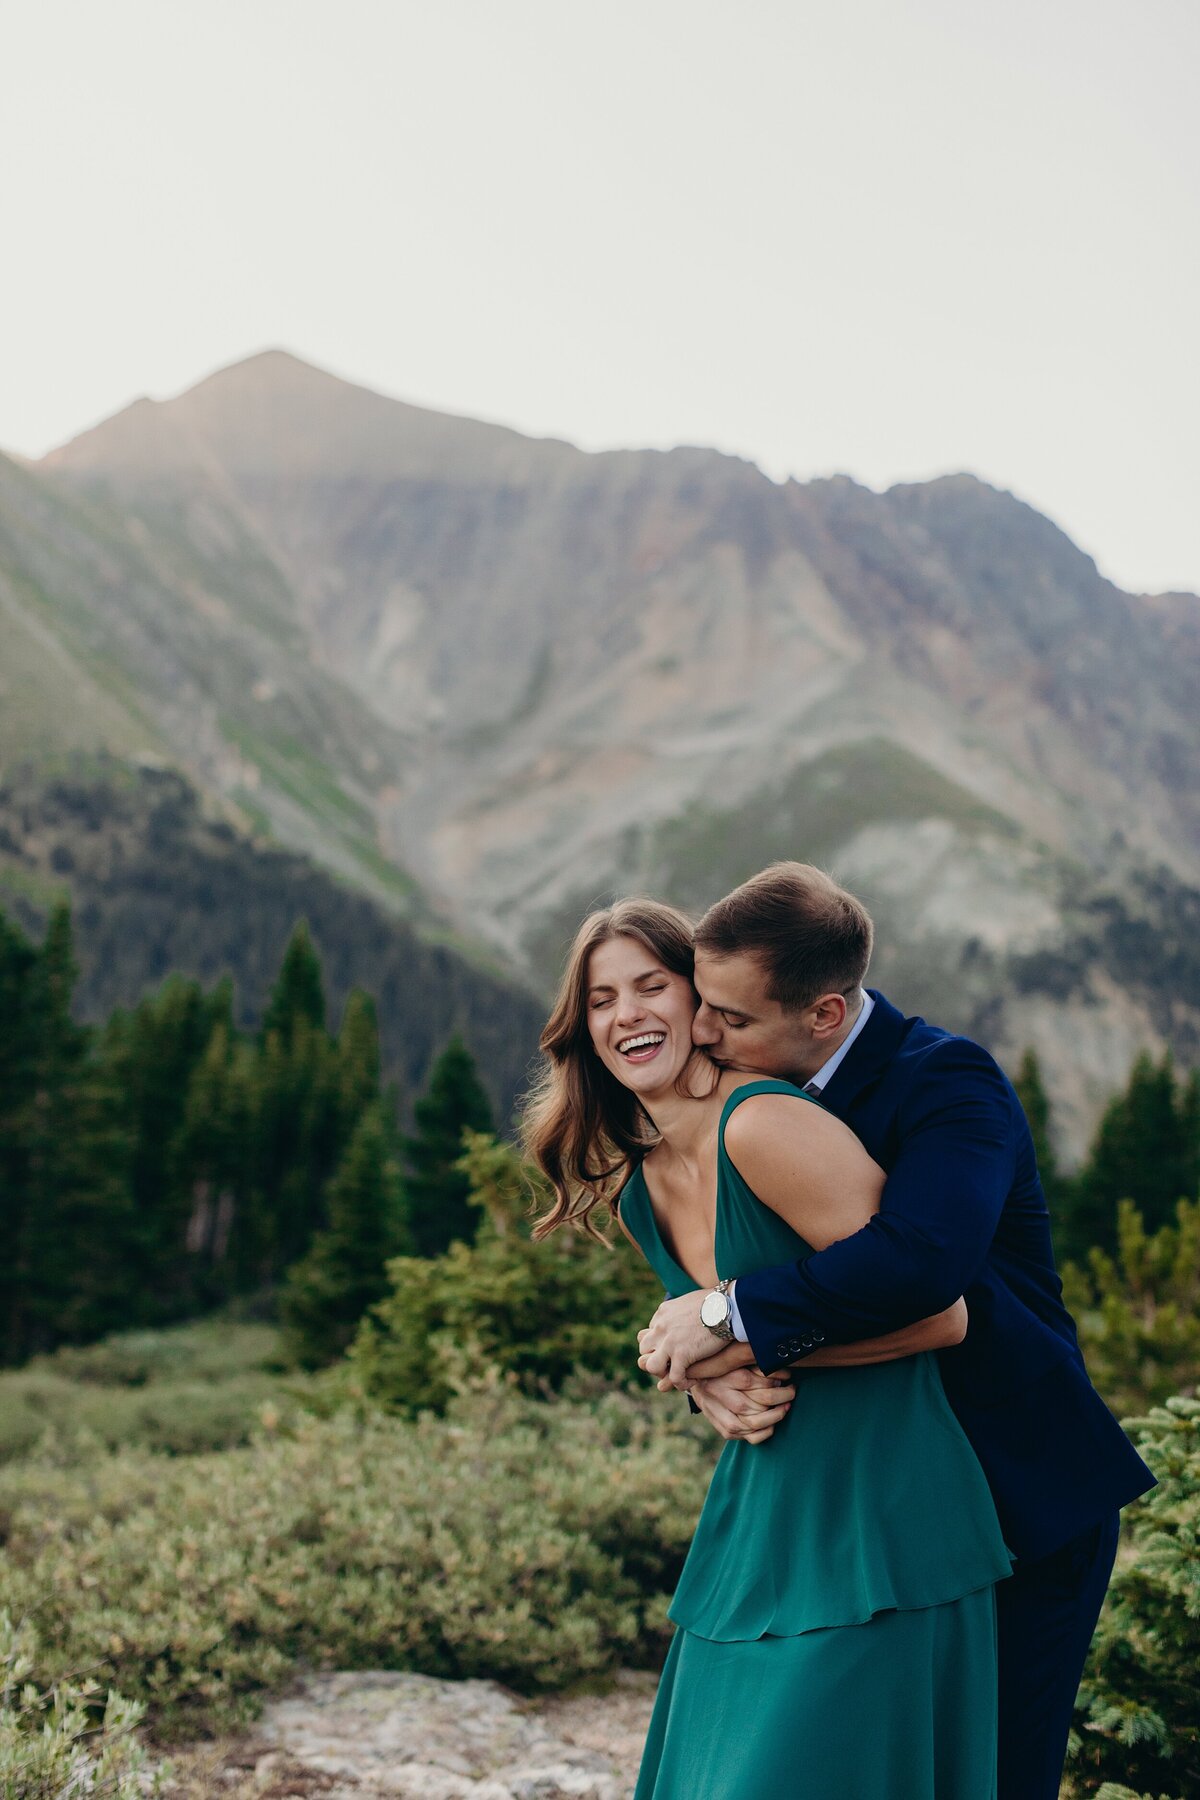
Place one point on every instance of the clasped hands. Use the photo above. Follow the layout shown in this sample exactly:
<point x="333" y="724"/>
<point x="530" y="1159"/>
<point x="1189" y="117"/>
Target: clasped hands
<point x="732" y="1392"/>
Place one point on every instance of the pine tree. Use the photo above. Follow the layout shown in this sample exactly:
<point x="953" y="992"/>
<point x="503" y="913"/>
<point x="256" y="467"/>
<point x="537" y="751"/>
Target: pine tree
<point x="328" y="1291"/>
<point x="150" y="1055"/>
<point x="297" y="1133"/>
<point x="436" y="1189"/>
<point x="358" y="1060"/>
<point x="225" y="1243"/>
<point x="298" y="995"/>
<point x="18" y="1033"/>
<point x="76" y="1209"/>
<point x="1146" y="1149"/>
<point x="1036" y="1105"/>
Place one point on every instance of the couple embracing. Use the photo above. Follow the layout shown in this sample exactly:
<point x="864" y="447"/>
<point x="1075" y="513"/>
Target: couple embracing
<point x="906" y="1541"/>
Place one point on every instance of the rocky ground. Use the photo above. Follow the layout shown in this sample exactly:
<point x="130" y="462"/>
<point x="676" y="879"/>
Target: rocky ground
<point x="358" y="1736"/>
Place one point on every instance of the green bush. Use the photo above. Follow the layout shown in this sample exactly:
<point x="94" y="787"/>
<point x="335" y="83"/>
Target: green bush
<point x="212" y="1349"/>
<point x="537" y="1312"/>
<point x="1138" y="1712"/>
<point x="530" y="1542"/>
<point x="186" y="1389"/>
<point x="1139" y="1312"/>
<point x="52" y="1745"/>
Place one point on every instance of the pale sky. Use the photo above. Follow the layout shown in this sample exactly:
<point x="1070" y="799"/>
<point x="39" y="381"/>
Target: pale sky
<point x="886" y="237"/>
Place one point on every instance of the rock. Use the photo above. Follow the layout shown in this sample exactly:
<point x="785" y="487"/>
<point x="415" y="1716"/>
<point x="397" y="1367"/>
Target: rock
<point x="369" y="1734"/>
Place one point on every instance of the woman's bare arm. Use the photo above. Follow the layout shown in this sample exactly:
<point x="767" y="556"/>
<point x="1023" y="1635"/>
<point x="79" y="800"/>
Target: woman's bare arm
<point x="811" y="1169"/>
<point x="940" y="1332"/>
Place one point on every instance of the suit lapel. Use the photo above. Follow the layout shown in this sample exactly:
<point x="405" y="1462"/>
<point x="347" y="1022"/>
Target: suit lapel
<point x="869" y="1055"/>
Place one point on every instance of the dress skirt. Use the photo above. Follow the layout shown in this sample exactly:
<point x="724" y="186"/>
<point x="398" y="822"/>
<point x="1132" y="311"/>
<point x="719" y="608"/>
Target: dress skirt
<point x="901" y="1707"/>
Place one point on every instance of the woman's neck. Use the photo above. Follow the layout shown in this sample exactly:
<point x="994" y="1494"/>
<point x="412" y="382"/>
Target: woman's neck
<point x="686" y="1122"/>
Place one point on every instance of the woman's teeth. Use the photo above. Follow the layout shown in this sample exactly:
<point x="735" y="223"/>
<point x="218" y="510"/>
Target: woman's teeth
<point x="640" y="1049"/>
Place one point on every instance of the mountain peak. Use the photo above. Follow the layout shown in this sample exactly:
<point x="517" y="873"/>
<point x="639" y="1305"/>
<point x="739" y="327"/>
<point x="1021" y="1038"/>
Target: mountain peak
<point x="274" y="411"/>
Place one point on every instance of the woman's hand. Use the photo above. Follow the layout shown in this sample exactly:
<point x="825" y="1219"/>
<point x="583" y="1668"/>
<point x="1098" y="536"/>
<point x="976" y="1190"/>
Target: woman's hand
<point x="744" y="1403"/>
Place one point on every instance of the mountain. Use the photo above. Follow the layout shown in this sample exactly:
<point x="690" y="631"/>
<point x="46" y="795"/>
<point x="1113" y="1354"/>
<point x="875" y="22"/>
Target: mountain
<point x="495" y="678"/>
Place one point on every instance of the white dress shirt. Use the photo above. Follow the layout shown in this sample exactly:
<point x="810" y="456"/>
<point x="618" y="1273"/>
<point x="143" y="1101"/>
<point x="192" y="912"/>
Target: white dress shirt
<point x="815" y="1086"/>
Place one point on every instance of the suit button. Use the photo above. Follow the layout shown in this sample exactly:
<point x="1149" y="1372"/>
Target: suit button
<point x="783" y="1351"/>
<point x="818" y="1337"/>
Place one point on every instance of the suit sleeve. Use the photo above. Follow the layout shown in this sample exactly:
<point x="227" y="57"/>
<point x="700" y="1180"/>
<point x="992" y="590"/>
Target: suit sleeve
<point x="938" y="1215"/>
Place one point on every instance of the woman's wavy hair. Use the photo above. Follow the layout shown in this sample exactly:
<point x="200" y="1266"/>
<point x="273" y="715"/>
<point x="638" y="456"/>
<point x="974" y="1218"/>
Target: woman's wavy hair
<point x="583" y="1128"/>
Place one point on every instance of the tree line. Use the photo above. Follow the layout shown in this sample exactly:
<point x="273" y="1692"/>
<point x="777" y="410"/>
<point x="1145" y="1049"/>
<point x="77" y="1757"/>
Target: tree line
<point x="1145" y="1149"/>
<point x="167" y="1162"/>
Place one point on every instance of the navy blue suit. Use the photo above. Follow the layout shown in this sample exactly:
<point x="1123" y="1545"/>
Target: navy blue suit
<point x="963" y="1212"/>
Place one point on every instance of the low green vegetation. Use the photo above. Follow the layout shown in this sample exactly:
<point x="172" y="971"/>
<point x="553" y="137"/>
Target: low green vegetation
<point x="196" y="1387"/>
<point x="52" y="1744"/>
<point x="535" y="1542"/>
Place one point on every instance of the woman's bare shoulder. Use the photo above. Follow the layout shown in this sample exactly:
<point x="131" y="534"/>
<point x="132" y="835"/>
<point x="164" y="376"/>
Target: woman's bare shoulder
<point x="772" y="1122"/>
<point x="804" y="1164"/>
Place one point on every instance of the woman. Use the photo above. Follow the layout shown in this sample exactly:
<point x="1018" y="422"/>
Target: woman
<point x="836" y="1611"/>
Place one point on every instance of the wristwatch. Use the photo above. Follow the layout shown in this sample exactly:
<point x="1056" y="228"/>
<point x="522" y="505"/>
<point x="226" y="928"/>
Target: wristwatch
<point x="716" y="1311"/>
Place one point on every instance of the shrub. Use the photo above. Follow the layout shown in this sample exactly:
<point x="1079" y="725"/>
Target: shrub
<point x="51" y="1745"/>
<point x="186" y="1389"/>
<point x="212" y="1349"/>
<point x="534" y="1543"/>
<point x="1139" y="1323"/>
<point x="1138" y="1709"/>
<point x="534" y="1311"/>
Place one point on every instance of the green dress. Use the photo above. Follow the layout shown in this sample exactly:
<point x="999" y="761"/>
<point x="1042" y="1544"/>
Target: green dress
<point x="836" y="1613"/>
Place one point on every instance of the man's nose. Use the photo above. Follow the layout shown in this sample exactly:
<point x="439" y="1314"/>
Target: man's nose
<point x="706" y="1028"/>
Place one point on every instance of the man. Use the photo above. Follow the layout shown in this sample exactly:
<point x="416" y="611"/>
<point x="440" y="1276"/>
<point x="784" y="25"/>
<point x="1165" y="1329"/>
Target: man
<point x="779" y="968"/>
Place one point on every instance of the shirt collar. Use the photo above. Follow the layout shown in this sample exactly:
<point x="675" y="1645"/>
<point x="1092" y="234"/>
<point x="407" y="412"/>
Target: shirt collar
<point x="829" y="1069"/>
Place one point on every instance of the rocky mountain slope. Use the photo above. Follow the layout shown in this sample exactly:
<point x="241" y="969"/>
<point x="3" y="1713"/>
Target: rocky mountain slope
<point x="528" y="677"/>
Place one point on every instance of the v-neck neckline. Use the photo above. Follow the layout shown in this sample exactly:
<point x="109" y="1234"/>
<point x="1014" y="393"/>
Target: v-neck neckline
<point x="662" y="1242"/>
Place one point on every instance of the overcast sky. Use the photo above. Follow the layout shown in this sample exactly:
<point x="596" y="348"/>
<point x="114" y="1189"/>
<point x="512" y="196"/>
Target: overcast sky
<point x="887" y="237"/>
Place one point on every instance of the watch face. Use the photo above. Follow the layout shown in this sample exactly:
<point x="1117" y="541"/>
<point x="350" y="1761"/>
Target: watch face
<point x="714" y="1310"/>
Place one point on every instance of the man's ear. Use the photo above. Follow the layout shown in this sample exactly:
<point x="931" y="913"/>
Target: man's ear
<point x="828" y="1015"/>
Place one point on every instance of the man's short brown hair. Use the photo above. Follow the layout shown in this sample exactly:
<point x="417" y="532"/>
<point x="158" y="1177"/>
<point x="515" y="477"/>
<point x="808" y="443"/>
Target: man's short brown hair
<point x="810" y="936"/>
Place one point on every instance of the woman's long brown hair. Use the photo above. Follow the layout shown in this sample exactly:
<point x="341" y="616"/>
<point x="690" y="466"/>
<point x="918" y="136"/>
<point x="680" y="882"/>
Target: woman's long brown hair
<point x="582" y="1127"/>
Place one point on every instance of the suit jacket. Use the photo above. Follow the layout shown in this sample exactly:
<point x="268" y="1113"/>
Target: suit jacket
<point x="962" y="1212"/>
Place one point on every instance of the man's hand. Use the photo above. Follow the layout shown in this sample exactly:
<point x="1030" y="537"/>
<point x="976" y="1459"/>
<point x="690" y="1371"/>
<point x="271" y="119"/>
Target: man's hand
<point x="675" y="1339"/>
<point x="743" y="1404"/>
